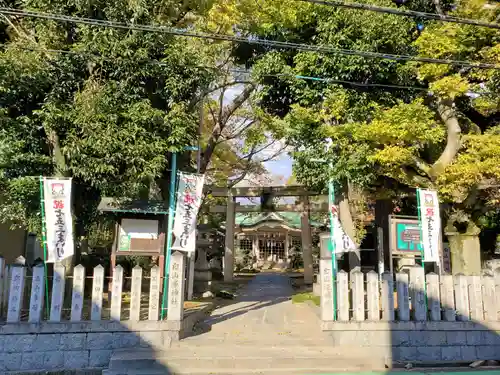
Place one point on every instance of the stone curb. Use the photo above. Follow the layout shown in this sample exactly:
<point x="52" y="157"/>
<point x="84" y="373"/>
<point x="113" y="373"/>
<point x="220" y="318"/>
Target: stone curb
<point x="88" y="371"/>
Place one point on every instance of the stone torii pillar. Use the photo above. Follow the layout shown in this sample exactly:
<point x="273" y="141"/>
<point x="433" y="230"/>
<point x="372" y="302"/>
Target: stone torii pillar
<point x="229" y="244"/>
<point x="306" y="240"/>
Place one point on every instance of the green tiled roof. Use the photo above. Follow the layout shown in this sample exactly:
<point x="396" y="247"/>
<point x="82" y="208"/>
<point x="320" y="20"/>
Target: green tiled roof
<point x="290" y="219"/>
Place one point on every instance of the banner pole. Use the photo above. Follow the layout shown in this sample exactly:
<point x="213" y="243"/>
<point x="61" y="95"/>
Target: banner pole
<point x="331" y="194"/>
<point x="44" y="242"/>
<point x="170" y="225"/>
<point x="422" y="253"/>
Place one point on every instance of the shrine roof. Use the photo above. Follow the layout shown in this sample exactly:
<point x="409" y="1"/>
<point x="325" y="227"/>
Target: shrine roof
<point x="126" y="205"/>
<point x="290" y="219"/>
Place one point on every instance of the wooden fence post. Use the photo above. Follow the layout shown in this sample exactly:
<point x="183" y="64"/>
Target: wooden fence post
<point x="343" y="296"/>
<point x="403" y="297"/>
<point x="136" y="293"/>
<point x="433" y="297"/>
<point x="116" y="293"/>
<point x="154" y="293"/>
<point x="37" y="294"/>
<point x="58" y="286"/>
<point x="16" y="293"/>
<point x="77" y="296"/>
<point x="373" y="296"/>
<point x="448" y="298"/>
<point x="475" y="298"/>
<point x="497" y="293"/>
<point x="488" y="290"/>
<point x="417" y="285"/>
<point x="388" y="296"/>
<point x="97" y="290"/>
<point x="3" y="281"/>
<point x="358" y="296"/>
<point x="461" y="296"/>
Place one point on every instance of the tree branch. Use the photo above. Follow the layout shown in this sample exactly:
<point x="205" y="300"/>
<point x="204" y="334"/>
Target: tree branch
<point x="224" y="114"/>
<point x="237" y="103"/>
<point x="422" y="165"/>
<point x="239" y="131"/>
<point x="449" y="117"/>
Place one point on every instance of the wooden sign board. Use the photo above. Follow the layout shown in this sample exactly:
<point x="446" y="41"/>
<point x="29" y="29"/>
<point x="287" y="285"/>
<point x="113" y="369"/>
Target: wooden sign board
<point x="139" y="237"/>
<point x="404" y="234"/>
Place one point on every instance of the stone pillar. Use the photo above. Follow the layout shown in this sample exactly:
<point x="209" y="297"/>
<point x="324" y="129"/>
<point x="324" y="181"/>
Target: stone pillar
<point x="326" y="301"/>
<point x="306" y="242"/>
<point x="175" y="310"/>
<point x="229" y="245"/>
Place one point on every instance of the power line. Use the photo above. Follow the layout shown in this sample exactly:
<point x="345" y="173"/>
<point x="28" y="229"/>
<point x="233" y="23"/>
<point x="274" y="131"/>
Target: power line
<point x="249" y="40"/>
<point x="399" y="12"/>
<point x="238" y="71"/>
<point x="333" y="80"/>
<point x="234" y="70"/>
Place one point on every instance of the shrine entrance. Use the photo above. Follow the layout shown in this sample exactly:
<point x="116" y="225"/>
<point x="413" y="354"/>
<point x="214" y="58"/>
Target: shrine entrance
<point x="270" y="243"/>
<point x="272" y="247"/>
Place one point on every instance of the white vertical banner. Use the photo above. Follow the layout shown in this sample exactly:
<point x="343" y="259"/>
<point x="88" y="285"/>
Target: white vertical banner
<point x="189" y="194"/>
<point x="343" y="243"/>
<point x="430" y="224"/>
<point x="58" y="220"/>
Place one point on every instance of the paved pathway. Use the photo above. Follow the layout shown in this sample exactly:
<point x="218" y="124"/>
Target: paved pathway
<point x="264" y="310"/>
<point x="259" y="333"/>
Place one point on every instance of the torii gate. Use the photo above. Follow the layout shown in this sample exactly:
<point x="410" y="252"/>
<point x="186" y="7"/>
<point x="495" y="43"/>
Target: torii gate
<point x="305" y="207"/>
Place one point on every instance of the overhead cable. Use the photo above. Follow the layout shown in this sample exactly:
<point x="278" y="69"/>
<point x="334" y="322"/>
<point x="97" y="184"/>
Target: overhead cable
<point x="232" y="70"/>
<point x="238" y="39"/>
<point x="404" y="12"/>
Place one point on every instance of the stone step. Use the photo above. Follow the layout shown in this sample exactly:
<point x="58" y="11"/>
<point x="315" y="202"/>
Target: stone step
<point x="253" y="340"/>
<point x="258" y="371"/>
<point x="226" y="360"/>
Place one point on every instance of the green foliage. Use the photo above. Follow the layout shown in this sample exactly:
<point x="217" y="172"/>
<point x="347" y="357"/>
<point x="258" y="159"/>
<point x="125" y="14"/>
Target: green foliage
<point x="385" y="139"/>
<point x="110" y="122"/>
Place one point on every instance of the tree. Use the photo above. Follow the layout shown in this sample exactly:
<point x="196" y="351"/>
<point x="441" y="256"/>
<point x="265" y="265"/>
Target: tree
<point x="393" y="141"/>
<point x="300" y="101"/>
<point x="107" y="111"/>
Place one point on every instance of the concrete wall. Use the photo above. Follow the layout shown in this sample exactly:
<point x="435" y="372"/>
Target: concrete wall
<point x="73" y="346"/>
<point x="420" y="341"/>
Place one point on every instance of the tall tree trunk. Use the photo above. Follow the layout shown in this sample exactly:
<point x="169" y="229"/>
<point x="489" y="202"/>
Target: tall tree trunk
<point x="60" y="170"/>
<point x="345" y="215"/>
<point x="453" y="132"/>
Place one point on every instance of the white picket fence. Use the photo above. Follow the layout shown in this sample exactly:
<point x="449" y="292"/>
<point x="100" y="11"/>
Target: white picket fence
<point x="415" y="296"/>
<point x="23" y="298"/>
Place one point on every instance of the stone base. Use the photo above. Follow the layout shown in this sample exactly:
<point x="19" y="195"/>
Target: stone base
<point x="202" y="280"/>
<point x="421" y="342"/>
<point x="74" y="346"/>
<point x="202" y="275"/>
